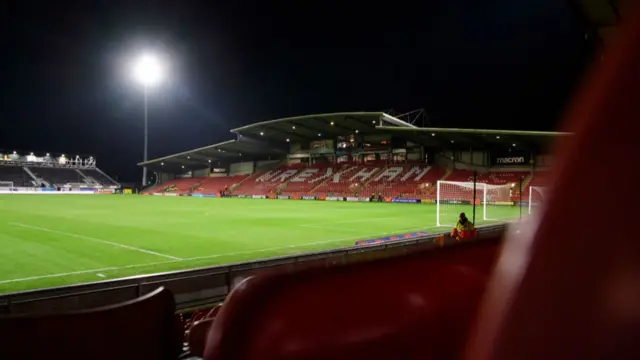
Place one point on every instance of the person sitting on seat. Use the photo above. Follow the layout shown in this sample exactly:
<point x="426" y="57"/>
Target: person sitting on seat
<point x="464" y="229"/>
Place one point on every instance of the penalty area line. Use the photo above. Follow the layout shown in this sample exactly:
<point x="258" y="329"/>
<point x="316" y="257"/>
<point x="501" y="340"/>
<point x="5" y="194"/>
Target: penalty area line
<point x="114" y="268"/>
<point x="95" y="240"/>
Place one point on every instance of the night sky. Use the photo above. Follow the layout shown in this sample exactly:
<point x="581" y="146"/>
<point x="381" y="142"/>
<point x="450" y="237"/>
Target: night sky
<point x="66" y="85"/>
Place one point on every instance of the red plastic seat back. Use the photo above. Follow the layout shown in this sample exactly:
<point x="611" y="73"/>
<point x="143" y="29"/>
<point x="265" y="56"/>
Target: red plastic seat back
<point x="569" y="288"/>
<point x="145" y="328"/>
<point x="403" y="308"/>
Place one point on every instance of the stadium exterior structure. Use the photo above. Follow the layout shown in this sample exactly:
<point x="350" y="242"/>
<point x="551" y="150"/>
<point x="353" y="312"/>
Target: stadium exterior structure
<point x="356" y="138"/>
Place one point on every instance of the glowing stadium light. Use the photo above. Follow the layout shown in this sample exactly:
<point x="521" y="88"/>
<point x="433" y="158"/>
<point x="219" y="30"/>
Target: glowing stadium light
<point x="60" y="155"/>
<point x="288" y="140"/>
<point x="513" y="144"/>
<point x="147" y="70"/>
<point x="498" y="137"/>
<point x="433" y="134"/>
<point x="261" y="133"/>
<point x="48" y="155"/>
<point x="452" y="141"/>
<point x="31" y="154"/>
<point x="332" y="123"/>
<point x="14" y="152"/>
<point x="188" y="157"/>
<point x="183" y="166"/>
<point x="356" y="131"/>
<point x="293" y="127"/>
<point x="161" y="164"/>
<point x="209" y="160"/>
<point x="319" y="134"/>
<point x="373" y="122"/>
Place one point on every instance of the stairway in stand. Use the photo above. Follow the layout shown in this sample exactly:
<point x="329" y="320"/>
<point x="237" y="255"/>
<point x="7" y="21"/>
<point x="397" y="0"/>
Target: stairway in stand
<point x="193" y="188"/>
<point x="525" y="184"/>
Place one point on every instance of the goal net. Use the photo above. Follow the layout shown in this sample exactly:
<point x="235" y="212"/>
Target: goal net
<point x="493" y="202"/>
<point x="537" y="195"/>
<point x="6" y="184"/>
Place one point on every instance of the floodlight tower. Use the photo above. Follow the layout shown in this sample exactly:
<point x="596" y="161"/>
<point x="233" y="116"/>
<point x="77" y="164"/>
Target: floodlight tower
<point x="147" y="70"/>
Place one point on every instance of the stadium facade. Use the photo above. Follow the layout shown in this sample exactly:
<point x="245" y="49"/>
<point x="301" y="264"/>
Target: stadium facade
<point x="351" y="155"/>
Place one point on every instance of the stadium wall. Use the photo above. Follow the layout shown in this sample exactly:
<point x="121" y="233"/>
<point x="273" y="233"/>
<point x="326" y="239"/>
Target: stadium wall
<point x="294" y="148"/>
<point x="266" y="165"/>
<point x="241" y="168"/>
<point x="474" y="158"/>
<point x="201" y="172"/>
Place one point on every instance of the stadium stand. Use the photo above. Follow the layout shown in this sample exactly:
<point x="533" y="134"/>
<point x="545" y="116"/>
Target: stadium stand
<point x="341" y="183"/>
<point x="263" y="183"/>
<point x="213" y="185"/>
<point x="403" y="181"/>
<point x="146" y="328"/>
<point x="16" y="175"/>
<point x="492" y="178"/>
<point x="59" y="177"/>
<point x="197" y="185"/>
<point x="96" y="176"/>
<point x="303" y="183"/>
<point x="32" y="171"/>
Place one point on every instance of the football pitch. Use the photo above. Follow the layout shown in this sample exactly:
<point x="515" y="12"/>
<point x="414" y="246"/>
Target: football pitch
<point x="48" y="241"/>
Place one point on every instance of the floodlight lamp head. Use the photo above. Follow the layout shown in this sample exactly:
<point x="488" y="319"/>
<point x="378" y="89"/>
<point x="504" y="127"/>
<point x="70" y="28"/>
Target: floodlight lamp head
<point x="147" y="70"/>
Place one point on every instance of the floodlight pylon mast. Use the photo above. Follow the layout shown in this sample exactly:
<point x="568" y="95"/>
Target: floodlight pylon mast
<point x="146" y="138"/>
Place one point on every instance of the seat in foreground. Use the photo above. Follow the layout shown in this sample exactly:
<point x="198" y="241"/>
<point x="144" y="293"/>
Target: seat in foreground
<point x="145" y="328"/>
<point x="407" y="308"/>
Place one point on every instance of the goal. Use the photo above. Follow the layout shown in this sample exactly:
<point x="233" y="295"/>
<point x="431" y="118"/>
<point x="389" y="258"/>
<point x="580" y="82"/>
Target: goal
<point x="537" y="195"/>
<point x="6" y="184"/>
<point x="492" y="202"/>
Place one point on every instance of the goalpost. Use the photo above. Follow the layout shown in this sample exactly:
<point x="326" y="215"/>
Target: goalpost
<point x="6" y="184"/>
<point x="493" y="202"/>
<point x="537" y="195"/>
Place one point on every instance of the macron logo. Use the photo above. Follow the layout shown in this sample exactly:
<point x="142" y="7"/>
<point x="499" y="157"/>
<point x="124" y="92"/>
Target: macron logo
<point x="510" y="160"/>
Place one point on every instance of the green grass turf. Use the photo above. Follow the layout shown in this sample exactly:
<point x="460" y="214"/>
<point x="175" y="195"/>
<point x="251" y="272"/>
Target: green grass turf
<point x="58" y="240"/>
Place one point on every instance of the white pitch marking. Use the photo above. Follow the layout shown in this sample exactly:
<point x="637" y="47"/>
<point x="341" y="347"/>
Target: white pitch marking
<point x="209" y="256"/>
<point x="332" y="228"/>
<point x="355" y="221"/>
<point x="101" y="275"/>
<point x="96" y="240"/>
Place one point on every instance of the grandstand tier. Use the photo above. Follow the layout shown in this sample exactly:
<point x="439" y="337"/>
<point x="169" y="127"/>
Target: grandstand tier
<point x="352" y="155"/>
<point x="57" y="177"/>
<point x="16" y="175"/>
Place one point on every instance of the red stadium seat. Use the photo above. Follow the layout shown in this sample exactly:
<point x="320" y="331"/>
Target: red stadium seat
<point x="198" y="336"/>
<point x="568" y="287"/>
<point x="403" y="308"/>
<point x="145" y="328"/>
